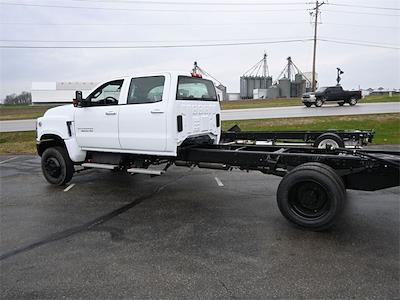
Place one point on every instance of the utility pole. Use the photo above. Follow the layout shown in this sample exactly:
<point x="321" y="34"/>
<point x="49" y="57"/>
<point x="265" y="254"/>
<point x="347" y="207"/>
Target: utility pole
<point x="317" y="6"/>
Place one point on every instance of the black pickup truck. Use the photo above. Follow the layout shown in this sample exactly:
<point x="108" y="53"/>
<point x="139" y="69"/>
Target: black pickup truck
<point x="331" y="94"/>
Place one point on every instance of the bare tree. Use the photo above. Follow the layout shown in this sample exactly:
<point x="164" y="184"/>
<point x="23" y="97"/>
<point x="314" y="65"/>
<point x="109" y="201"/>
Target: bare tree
<point x="23" y="98"/>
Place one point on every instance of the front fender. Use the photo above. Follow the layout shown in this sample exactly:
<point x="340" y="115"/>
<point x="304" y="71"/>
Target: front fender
<point x="59" y="126"/>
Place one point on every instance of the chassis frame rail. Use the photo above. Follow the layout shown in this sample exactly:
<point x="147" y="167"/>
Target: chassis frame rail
<point x="360" y="170"/>
<point x="362" y="137"/>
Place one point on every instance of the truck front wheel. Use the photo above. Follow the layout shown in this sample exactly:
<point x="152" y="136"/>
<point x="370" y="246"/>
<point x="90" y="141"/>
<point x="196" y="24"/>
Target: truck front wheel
<point x="319" y="102"/>
<point x="57" y="167"/>
<point x="307" y="104"/>
<point x="311" y="196"/>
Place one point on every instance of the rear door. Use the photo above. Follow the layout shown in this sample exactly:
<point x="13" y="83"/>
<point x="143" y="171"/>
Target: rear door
<point x="197" y="106"/>
<point x="336" y="93"/>
<point x="142" y="121"/>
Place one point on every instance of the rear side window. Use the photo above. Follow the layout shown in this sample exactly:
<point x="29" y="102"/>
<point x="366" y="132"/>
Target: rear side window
<point x="146" y="90"/>
<point x="192" y="88"/>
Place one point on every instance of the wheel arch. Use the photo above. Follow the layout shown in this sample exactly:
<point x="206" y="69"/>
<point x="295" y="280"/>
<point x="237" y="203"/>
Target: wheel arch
<point x="49" y="140"/>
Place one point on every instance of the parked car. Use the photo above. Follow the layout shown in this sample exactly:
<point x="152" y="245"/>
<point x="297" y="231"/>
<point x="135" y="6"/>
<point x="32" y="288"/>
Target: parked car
<point x="331" y="94"/>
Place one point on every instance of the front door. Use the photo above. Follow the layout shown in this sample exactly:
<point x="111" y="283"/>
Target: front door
<point x="143" y="120"/>
<point x="96" y="124"/>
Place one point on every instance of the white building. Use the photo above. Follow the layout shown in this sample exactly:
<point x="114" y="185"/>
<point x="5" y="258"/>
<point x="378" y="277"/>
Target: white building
<point x="58" y="92"/>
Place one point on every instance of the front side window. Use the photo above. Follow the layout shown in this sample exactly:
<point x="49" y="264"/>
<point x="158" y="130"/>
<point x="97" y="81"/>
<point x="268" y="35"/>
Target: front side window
<point x="107" y="94"/>
<point x="193" y="88"/>
<point x="146" y="90"/>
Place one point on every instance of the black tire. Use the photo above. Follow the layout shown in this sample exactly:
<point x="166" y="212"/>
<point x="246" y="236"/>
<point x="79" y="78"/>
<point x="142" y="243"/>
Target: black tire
<point x="353" y="101"/>
<point x="311" y="196"/>
<point x="308" y="104"/>
<point x="340" y="103"/>
<point x="329" y="169"/>
<point x="57" y="167"/>
<point x="328" y="138"/>
<point x="319" y="102"/>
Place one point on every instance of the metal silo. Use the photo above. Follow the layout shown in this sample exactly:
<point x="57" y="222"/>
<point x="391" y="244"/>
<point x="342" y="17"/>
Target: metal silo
<point x="243" y="87"/>
<point x="284" y="87"/>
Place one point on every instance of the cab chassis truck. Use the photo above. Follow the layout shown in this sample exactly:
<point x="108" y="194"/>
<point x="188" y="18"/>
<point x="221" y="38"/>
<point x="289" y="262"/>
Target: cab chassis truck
<point x="143" y="124"/>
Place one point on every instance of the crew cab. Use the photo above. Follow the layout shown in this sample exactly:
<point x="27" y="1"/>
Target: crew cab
<point x="331" y="94"/>
<point x="126" y="118"/>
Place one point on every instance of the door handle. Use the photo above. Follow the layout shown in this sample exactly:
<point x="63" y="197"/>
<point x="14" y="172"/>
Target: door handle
<point x="156" y="111"/>
<point x="111" y="113"/>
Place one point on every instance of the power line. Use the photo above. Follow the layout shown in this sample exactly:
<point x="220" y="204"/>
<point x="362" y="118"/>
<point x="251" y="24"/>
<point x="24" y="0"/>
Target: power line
<point x="361" y="13"/>
<point x="367" y="44"/>
<point x="358" y="41"/>
<point x="349" y="42"/>
<point x="361" y="25"/>
<point x="148" y="24"/>
<point x="154" y="46"/>
<point x="191" y="24"/>
<point x="363" y="6"/>
<point x="149" y="9"/>
<point x="195" y="3"/>
<point x="139" y="41"/>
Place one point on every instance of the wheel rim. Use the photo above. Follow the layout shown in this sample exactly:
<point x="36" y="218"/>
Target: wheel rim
<point x="328" y="143"/>
<point x="52" y="167"/>
<point x="353" y="101"/>
<point x="309" y="200"/>
<point x="319" y="102"/>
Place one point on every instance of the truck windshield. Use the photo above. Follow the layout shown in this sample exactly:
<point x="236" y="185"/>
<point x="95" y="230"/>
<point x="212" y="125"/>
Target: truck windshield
<point x="321" y="89"/>
<point x="191" y="88"/>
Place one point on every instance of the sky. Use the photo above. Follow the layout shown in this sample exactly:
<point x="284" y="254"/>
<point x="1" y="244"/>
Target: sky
<point x="373" y="62"/>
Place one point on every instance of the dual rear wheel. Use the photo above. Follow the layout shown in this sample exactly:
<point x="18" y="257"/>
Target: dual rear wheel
<point x="311" y="196"/>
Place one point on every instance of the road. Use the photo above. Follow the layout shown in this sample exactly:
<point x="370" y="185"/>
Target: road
<point x="260" y="113"/>
<point x="186" y="235"/>
<point x="302" y="111"/>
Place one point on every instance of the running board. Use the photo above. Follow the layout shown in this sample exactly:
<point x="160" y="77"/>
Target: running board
<point x="145" y="171"/>
<point x="99" y="166"/>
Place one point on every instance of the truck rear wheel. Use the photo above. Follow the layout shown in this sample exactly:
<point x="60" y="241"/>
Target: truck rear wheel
<point x="57" y="167"/>
<point x="329" y="140"/>
<point x="311" y="196"/>
<point x="353" y="101"/>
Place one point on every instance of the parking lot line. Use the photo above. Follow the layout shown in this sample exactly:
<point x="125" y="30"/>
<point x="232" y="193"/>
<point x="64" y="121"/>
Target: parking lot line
<point x="219" y="182"/>
<point x="7" y="160"/>
<point x="69" y="187"/>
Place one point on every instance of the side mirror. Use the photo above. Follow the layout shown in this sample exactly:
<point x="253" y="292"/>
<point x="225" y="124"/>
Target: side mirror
<point x="78" y="99"/>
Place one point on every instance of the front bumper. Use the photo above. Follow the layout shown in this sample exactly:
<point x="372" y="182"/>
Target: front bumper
<point x="308" y="99"/>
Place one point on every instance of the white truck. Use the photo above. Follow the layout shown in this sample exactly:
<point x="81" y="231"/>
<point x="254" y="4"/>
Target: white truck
<point x="155" y="120"/>
<point x="149" y="114"/>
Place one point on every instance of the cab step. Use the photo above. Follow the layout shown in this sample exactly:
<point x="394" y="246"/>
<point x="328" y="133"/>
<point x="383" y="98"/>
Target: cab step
<point x="99" y="166"/>
<point x="145" y="171"/>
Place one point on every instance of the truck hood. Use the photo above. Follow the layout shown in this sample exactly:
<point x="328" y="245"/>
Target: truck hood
<point x="309" y="94"/>
<point x="65" y="111"/>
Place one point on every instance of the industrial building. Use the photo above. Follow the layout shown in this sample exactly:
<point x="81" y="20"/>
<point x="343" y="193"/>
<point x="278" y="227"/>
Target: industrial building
<point x="58" y="92"/>
<point x="256" y="83"/>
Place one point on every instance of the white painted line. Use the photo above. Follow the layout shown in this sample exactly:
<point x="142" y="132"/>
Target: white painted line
<point x="219" y="182"/>
<point x="7" y="160"/>
<point x="69" y="187"/>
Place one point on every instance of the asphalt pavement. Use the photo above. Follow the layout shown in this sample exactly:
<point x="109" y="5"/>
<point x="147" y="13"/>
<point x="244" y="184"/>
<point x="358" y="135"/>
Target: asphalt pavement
<point x="260" y="113"/>
<point x="189" y="234"/>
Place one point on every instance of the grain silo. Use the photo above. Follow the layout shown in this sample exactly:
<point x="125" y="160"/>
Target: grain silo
<point x="291" y="81"/>
<point x="257" y="77"/>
